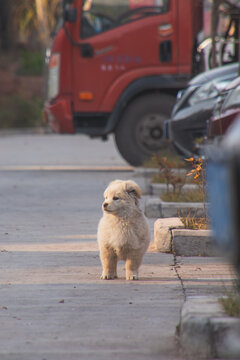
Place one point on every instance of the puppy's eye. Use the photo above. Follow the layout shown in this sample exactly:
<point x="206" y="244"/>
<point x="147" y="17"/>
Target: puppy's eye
<point x="115" y="198"/>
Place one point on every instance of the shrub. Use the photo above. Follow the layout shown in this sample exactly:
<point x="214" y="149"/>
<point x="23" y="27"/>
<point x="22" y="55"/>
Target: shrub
<point x="170" y="173"/>
<point x="31" y="63"/>
<point x="18" y="112"/>
<point x="231" y="303"/>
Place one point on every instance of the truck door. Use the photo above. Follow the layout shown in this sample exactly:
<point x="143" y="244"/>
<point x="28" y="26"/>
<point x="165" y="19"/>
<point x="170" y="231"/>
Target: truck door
<point x="120" y="41"/>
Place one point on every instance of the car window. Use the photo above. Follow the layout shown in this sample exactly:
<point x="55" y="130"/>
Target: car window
<point x="102" y="15"/>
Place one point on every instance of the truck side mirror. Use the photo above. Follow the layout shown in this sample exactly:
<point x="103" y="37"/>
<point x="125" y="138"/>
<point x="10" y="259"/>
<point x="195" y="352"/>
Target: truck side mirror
<point x="70" y="15"/>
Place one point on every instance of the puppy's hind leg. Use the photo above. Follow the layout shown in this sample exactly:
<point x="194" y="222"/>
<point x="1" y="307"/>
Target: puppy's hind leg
<point x="109" y="263"/>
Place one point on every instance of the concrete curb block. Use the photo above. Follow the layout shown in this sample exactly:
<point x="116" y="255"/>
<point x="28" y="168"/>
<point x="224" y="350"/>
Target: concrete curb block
<point x="163" y="234"/>
<point x="156" y="208"/>
<point x="158" y="189"/>
<point x="153" y="208"/>
<point x="38" y="130"/>
<point x="189" y="242"/>
<point x="171" y="237"/>
<point x="205" y="331"/>
<point x="144" y="177"/>
<point x="144" y="185"/>
<point x="149" y="172"/>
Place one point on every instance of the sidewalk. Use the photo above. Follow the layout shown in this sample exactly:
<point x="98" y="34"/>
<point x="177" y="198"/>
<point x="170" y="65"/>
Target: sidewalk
<point x="53" y="305"/>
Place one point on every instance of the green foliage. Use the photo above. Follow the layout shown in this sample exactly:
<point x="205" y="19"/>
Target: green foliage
<point x="231" y="303"/>
<point x="18" y="112"/>
<point x="26" y="21"/>
<point x="31" y="63"/>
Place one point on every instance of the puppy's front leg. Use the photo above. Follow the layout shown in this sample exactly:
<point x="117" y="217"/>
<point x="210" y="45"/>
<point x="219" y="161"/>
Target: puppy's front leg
<point x="109" y="263"/>
<point x="132" y="265"/>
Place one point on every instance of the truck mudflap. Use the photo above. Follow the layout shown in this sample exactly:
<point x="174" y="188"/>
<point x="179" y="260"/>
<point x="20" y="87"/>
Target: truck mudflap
<point x="59" y="115"/>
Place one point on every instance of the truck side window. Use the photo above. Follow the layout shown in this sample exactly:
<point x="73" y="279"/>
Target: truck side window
<point x="102" y="15"/>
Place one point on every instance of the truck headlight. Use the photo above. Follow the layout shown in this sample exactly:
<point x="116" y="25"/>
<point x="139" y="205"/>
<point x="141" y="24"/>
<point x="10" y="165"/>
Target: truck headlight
<point x="53" y="75"/>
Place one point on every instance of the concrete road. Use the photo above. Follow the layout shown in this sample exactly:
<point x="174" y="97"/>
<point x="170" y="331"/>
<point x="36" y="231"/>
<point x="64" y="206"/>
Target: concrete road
<point x="53" y="304"/>
<point x="67" y="151"/>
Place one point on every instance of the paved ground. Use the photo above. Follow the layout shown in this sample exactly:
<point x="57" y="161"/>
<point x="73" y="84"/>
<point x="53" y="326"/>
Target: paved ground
<point x="52" y="303"/>
<point x="31" y="151"/>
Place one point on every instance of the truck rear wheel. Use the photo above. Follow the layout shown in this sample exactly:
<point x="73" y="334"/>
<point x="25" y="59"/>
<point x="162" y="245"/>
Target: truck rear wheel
<point x="139" y="133"/>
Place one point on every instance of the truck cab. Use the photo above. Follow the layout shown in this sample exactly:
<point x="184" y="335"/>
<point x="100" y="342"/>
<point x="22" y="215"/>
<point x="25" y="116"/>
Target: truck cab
<point x="116" y="66"/>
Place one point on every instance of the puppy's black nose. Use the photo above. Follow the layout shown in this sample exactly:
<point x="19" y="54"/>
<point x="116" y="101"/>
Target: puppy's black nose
<point x="105" y="205"/>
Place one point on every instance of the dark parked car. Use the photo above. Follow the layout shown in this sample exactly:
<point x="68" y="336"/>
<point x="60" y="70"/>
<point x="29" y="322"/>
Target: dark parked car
<point x="187" y="126"/>
<point x="226" y="110"/>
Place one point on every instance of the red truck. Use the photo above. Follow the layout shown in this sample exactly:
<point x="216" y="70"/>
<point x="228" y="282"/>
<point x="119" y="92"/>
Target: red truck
<point x="115" y="66"/>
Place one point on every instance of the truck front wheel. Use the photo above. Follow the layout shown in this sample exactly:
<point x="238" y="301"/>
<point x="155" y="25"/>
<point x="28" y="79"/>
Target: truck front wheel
<point x="139" y="133"/>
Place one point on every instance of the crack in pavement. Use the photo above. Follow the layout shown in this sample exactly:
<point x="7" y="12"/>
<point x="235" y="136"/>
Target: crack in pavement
<point x="176" y="266"/>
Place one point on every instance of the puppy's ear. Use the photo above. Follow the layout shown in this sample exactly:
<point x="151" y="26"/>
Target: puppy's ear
<point x="133" y="189"/>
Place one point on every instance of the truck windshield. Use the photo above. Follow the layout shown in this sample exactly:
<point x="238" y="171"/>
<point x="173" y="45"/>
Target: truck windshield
<point x="103" y="15"/>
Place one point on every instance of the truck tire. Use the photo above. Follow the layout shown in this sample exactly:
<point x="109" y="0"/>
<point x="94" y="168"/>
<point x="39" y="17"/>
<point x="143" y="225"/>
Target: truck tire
<point x="139" y="133"/>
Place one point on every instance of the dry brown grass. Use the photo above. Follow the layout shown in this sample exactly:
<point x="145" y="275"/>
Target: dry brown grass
<point x="195" y="223"/>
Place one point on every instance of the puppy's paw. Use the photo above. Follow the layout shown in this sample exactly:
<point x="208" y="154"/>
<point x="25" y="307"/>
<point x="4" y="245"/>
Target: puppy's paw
<point x="132" y="276"/>
<point x="108" y="277"/>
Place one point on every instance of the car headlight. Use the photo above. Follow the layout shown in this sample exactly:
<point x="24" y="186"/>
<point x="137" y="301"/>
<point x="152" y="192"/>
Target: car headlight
<point x="53" y="75"/>
<point x="180" y="94"/>
<point x="209" y="90"/>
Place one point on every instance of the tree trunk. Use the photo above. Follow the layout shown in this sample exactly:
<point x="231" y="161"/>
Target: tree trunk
<point x="43" y="26"/>
<point x="5" y="33"/>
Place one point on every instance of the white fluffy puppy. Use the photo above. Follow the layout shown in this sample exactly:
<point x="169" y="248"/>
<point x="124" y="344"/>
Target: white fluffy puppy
<point x="123" y="232"/>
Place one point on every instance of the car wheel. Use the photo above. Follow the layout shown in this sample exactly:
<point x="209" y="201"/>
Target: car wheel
<point x="139" y="133"/>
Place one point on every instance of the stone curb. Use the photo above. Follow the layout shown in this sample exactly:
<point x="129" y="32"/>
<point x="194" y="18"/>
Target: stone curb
<point x="143" y="183"/>
<point x="171" y="237"/>
<point x="149" y="172"/>
<point x="187" y="242"/>
<point x="205" y="331"/>
<point x="158" y="189"/>
<point x="38" y="130"/>
<point x="144" y="176"/>
<point x="156" y="208"/>
<point x="163" y="233"/>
